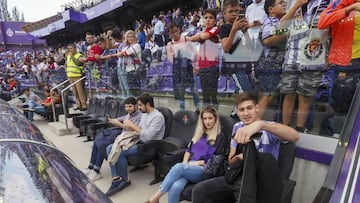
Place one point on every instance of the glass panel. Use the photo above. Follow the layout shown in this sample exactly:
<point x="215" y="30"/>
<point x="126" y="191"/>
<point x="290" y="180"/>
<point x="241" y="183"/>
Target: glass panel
<point x="286" y="66"/>
<point x="42" y="174"/>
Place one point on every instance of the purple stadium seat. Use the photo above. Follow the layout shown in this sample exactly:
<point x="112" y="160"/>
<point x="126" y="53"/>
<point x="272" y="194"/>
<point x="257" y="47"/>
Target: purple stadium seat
<point x="232" y="86"/>
<point x="222" y="84"/>
<point x="166" y="84"/>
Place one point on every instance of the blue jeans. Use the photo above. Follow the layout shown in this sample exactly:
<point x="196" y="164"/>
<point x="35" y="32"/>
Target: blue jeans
<point x="121" y="166"/>
<point x="40" y="109"/>
<point x="178" y="177"/>
<point x="33" y="105"/>
<point x="96" y="159"/>
<point x="123" y="83"/>
<point x="195" y="93"/>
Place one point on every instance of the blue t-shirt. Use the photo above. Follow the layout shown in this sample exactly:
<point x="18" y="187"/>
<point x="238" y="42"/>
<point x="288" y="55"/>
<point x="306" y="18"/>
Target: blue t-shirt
<point x="267" y="143"/>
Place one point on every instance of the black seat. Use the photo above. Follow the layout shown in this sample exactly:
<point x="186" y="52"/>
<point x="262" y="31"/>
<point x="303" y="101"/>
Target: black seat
<point x="171" y="148"/>
<point x="100" y="112"/>
<point x="111" y="110"/>
<point x="147" y="151"/>
<point x="182" y="130"/>
<point x="227" y="124"/>
<point x="93" y="102"/>
<point x="286" y="163"/>
<point x="94" y="128"/>
<point x="269" y="177"/>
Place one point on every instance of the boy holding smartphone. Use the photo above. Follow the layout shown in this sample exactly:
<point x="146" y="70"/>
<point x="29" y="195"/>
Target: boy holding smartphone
<point x="231" y="10"/>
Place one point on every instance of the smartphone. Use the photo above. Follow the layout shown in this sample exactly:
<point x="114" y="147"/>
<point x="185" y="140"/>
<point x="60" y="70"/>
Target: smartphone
<point x="241" y="15"/>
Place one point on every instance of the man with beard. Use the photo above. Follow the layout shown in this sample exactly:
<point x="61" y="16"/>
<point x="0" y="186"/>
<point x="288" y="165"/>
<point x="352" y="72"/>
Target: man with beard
<point x="151" y="127"/>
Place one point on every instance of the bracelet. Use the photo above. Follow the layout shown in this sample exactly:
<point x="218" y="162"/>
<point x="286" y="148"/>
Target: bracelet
<point x="282" y="31"/>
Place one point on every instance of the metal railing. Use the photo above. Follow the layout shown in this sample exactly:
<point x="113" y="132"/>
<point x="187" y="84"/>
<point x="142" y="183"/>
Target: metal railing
<point x="107" y="84"/>
<point x="63" y="100"/>
<point x="52" y="99"/>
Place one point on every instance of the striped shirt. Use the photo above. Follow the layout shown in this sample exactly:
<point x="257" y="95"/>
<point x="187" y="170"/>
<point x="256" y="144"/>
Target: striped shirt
<point x="267" y="143"/>
<point x="306" y="46"/>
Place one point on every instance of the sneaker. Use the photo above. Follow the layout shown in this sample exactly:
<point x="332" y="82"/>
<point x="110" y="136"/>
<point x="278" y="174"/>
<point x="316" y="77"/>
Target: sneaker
<point x="116" y="186"/>
<point x="301" y="130"/>
<point x="83" y="109"/>
<point x="87" y="171"/>
<point x="94" y="176"/>
<point x="28" y="109"/>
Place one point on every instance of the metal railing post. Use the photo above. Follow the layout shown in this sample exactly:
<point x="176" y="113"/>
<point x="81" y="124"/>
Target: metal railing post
<point x="52" y="99"/>
<point x="63" y="100"/>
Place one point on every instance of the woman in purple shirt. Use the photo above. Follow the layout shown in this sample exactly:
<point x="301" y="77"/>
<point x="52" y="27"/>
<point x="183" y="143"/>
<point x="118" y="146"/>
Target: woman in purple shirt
<point x="202" y="146"/>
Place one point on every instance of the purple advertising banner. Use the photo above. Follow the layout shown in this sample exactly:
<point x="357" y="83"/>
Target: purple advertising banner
<point x="78" y="16"/>
<point x="102" y="8"/>
<point x="12" y="33"/>
<point x="349" y="156"/>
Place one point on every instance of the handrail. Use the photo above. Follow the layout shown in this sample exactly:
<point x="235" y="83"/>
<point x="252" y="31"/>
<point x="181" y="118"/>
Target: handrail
<point x="52" y="99"/>
<point x="63" y="100"/>
<point x="107" y="84"/>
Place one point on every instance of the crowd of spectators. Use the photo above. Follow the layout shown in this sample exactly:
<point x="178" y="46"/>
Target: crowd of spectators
<point x="241" y="28"/>
<point x="152" y="36"/>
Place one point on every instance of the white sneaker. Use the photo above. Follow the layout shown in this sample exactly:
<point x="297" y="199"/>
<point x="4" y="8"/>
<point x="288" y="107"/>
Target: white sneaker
<point x="93" y="176"/>
<point x="87" y="171"/>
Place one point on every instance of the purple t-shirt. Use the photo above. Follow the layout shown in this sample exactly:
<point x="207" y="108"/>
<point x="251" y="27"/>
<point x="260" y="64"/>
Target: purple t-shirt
<point x="201" y="150"/>
<point x="267" y="143"/>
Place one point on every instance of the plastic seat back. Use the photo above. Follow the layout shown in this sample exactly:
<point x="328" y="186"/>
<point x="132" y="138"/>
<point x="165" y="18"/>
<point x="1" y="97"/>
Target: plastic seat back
<point x="112" y="108"/>
<point x="121" y="109"/>
<point x="182" y="128"/>
<point x="168" y="116"/>
<point x="227" y="124"/>
<point x="100" y="108"/>
<point x="92" y="105"/>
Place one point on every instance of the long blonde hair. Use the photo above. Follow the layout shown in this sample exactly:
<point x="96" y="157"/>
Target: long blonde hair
<point x="130" y="32"/>
<point x="201" y="129"/>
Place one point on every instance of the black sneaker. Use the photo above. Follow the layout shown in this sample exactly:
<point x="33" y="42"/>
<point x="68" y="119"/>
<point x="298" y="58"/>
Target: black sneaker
<point x="301" y="129"/>
<point x="116" y="186"/>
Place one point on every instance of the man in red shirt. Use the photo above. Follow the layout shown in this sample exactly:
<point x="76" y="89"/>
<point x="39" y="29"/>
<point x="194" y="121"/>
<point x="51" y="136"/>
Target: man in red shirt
<point x="93" y="57"/>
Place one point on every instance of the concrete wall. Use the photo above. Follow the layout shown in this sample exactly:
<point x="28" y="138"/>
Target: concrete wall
<point x="309" y="177"/>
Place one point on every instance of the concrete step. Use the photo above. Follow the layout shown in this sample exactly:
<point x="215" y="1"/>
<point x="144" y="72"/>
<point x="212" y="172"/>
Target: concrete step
<point x="60" y="128"/>
<point x="69" y="121"/>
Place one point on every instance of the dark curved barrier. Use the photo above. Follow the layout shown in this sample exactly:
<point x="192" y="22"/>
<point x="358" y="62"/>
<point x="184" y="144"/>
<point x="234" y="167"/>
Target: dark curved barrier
<point x="33" y="170"/>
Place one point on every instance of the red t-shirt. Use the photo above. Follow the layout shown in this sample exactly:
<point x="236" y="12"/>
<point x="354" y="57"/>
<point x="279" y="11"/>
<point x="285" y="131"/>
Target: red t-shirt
<point x="209" y="50"/>
<point x="95" y="49"/>
<point x="47" y="100"/>
<point x="12" y="84"/>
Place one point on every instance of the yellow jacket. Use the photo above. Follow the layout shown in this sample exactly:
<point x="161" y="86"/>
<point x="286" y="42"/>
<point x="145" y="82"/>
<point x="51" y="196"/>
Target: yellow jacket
<point x="74" y="67"/>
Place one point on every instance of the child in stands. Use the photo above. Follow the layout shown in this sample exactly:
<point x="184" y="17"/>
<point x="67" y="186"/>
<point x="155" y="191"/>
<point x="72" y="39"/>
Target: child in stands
<point x="209" y="58"/>
<point x="181" y="54"/>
